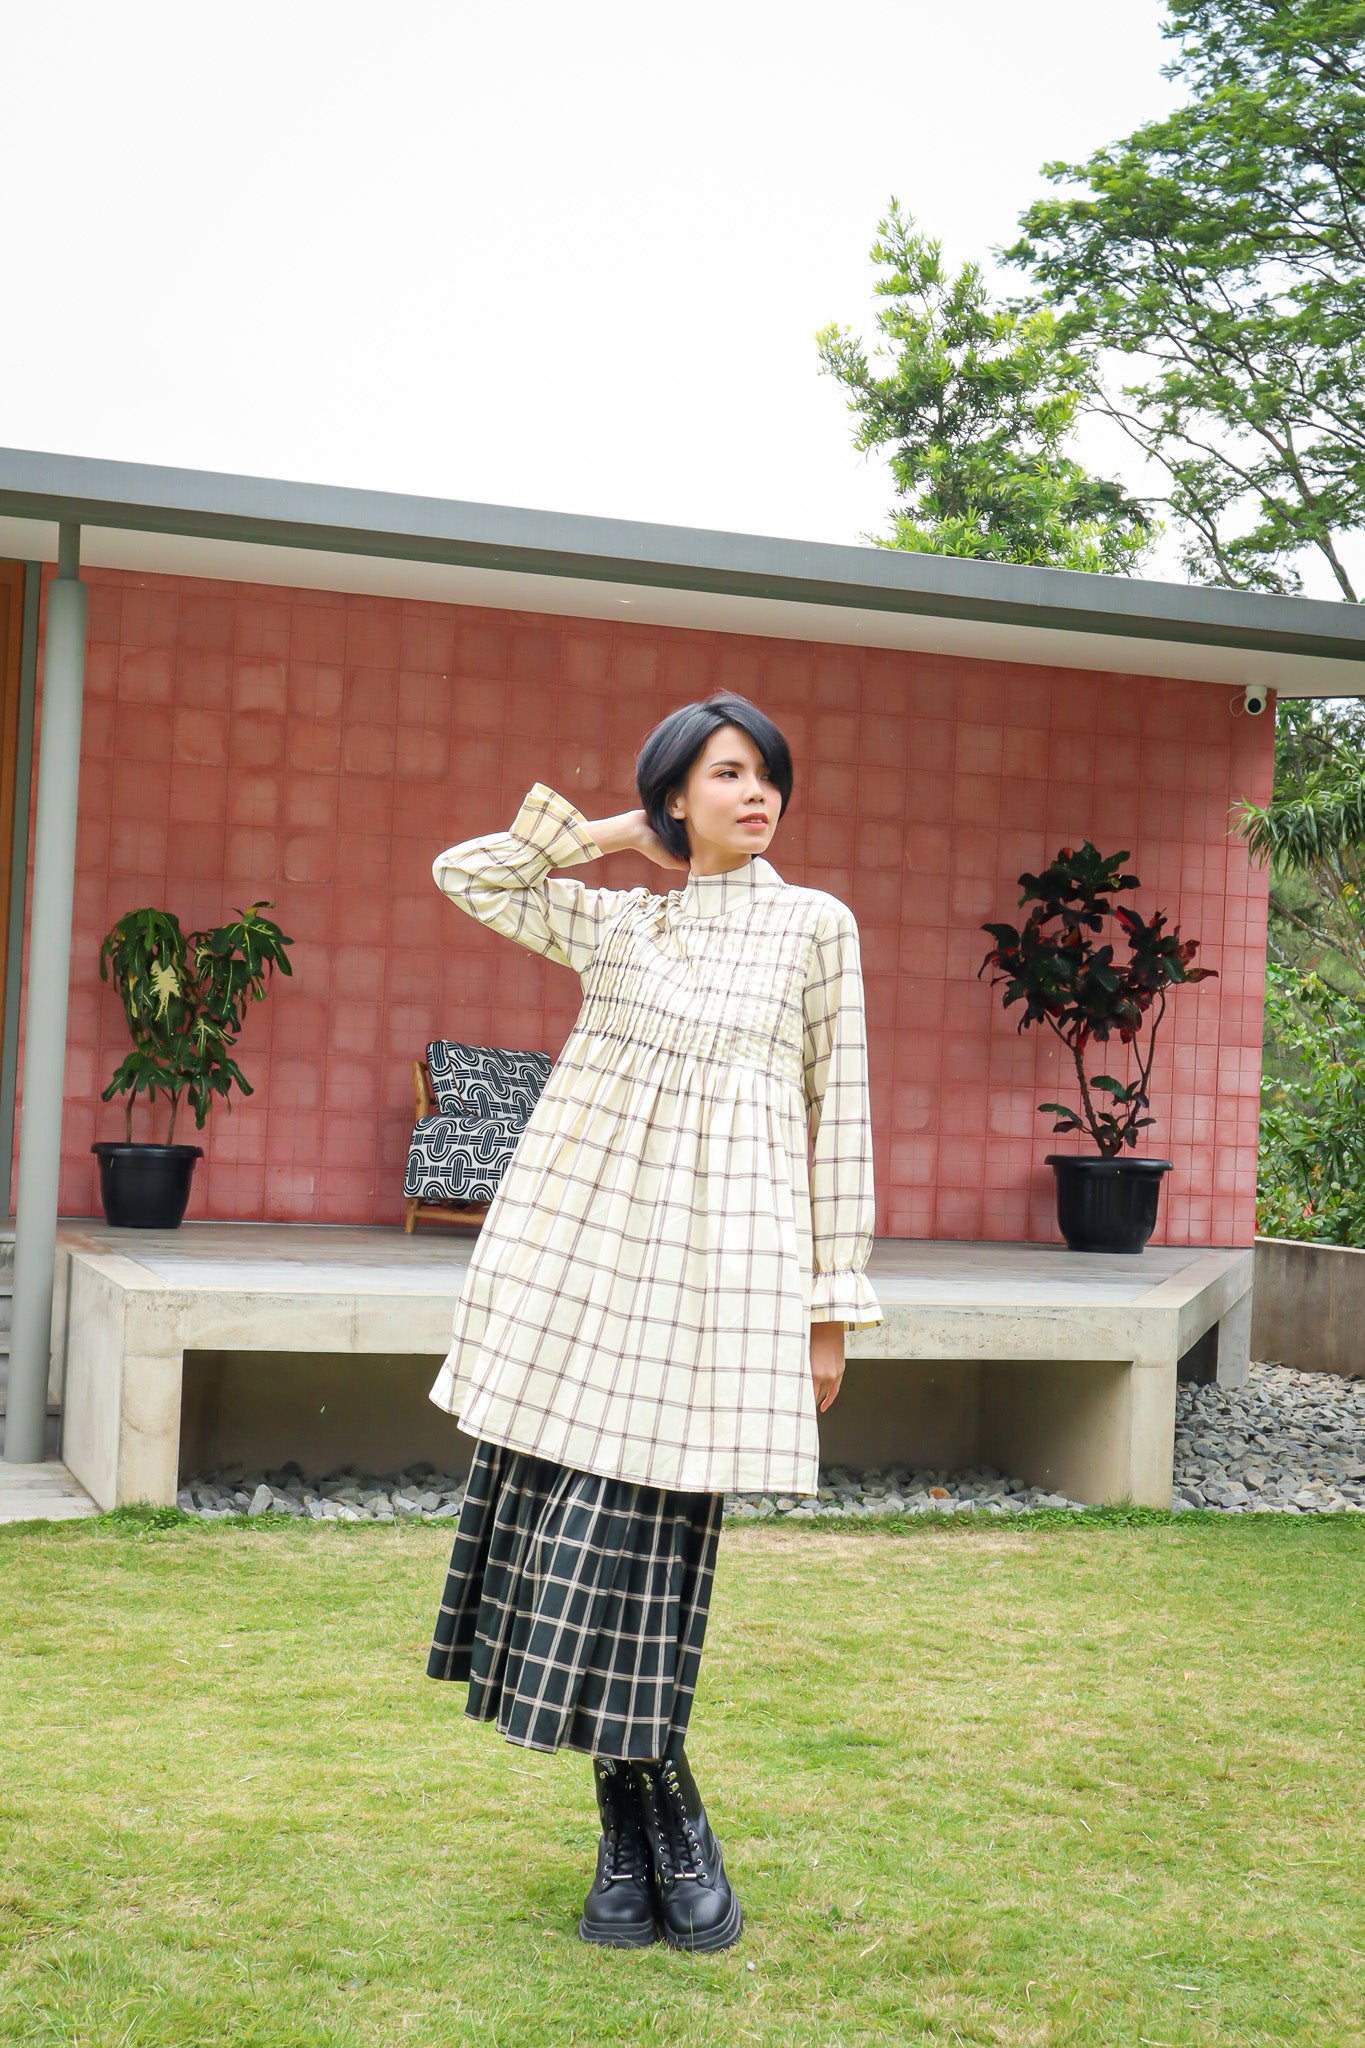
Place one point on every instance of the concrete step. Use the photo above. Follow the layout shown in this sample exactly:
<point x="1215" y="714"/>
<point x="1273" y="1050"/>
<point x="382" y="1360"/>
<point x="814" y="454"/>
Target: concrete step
<point x="6" y="1306"/>
<point x="45" y="1492"/>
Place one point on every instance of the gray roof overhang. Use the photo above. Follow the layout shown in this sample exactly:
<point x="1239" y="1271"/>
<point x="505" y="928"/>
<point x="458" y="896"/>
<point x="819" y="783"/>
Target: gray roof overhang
<point x="260" y="529"/>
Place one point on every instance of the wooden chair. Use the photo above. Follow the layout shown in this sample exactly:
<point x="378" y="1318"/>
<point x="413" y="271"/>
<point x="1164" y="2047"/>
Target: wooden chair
<point x="472" y="1103"/>
<point x="465" y="1215"/>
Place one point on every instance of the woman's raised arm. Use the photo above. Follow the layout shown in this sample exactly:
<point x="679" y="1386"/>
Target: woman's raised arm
<point x="504" y="879"/>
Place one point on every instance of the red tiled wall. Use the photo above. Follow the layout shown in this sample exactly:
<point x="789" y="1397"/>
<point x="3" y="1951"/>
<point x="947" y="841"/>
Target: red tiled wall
<point x="318" y="750"/>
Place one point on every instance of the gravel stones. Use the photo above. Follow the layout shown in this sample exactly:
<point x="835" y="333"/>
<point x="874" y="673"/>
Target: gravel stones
<point x="1285" y="1443"/>
<point x="897" y="1490"/>
<point x="418" y="1494"/>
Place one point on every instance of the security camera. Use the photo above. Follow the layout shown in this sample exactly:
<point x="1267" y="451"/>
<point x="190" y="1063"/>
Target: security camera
<point x="1254" y="700"/>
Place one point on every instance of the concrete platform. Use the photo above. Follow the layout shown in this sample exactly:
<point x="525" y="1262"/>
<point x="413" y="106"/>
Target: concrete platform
<point x="42" y="1493"/>
<point x="259" y="1342"/>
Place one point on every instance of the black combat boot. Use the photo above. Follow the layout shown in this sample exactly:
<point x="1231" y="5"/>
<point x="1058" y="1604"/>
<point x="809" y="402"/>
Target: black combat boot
<point x="696" y="1905"/>
<point x="619" y="1910"/>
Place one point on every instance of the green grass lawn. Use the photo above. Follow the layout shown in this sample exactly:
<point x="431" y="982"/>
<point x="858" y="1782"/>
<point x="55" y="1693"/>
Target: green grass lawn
<point x="1024" y="1785"/>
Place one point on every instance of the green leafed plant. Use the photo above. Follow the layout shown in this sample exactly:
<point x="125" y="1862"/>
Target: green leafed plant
<point x="185" y="1000"/>
<point x="1067" y="976"/>
<point x="1311" y="1182"/>
<point x="975" y="404"/>
<point x="1218" y="254"/>
<point x="1312" y="834"/>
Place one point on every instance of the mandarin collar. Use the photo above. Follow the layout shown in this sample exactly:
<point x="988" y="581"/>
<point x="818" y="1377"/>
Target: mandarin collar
<point x="714" y="895"/>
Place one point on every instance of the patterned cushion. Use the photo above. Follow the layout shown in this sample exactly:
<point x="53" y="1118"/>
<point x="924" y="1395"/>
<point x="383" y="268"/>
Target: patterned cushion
<point x="485" y="1080"/>
<point x="459" y="1158"/>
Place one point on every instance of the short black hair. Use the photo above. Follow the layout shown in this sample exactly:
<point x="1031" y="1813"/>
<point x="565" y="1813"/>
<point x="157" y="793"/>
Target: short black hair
<point x="667" y="756"/>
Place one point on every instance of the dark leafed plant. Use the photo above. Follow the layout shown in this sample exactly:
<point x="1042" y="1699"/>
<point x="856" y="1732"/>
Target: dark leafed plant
<point x="185" y="999"/>
<point x="1059" y="966"/>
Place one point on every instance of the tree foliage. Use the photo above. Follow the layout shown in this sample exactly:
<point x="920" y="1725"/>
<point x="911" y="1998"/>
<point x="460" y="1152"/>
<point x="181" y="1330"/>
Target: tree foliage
<point x="185" y="1001"/>
<point x="1311" y="1182"/>
<point x="1067" y="976"/>
<point x="1312" y="834"/>
<point x="1222" y="252"/>
<point x="975" y="407"/>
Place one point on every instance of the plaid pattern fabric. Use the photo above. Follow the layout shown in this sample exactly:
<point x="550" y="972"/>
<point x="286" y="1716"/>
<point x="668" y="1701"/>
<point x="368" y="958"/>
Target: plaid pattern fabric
<point x="576" y="1605"/>
<point x="694" y="1185"/>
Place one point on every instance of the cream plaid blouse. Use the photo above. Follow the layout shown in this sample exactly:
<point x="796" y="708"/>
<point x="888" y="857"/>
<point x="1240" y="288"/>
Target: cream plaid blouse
<point x="694" y="1187"/>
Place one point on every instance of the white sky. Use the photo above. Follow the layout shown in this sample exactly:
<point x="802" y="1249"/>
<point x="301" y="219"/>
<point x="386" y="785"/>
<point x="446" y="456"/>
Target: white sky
<point x="555" y="255"/>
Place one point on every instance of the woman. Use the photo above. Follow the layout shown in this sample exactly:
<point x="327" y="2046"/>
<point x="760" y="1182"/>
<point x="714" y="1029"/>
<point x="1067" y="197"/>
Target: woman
<point x="656" y="1305"/>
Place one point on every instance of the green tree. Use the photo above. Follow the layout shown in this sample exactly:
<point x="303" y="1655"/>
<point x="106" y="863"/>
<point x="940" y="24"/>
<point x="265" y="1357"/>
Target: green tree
<point x="1222" y="250"/>
<point x="976" y="407"/>
<point x="1312" y="834"/>
<point x="1311" y="1181"/>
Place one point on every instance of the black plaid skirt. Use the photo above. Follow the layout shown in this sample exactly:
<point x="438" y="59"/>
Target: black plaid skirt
<point x="576" y="1605"/>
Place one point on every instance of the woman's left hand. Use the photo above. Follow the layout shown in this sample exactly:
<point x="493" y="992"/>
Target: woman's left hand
<point x="826" y="1362"/>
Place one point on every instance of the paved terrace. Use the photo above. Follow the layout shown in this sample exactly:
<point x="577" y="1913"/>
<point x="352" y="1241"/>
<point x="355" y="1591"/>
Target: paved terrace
<point x="177" y="1352"/>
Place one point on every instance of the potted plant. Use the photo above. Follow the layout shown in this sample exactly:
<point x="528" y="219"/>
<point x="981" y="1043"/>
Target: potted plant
<point x="1065" y="973"/>
<point x="185" y="999"/>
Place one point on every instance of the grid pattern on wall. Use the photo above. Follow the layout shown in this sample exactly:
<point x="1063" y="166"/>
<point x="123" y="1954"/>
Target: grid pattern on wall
<point x="316" y="750"/>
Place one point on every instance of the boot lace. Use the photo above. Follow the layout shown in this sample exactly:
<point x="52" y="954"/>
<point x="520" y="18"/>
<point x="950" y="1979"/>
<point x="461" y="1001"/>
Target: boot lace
<point x="683" y="1845"/>
<point x="623" y="1858"/>
<point x="626" y="1856"/>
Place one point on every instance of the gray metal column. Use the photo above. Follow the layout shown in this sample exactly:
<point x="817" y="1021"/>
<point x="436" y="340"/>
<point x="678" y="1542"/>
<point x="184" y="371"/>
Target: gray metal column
<point x="18" y="884"/>
<point x="49" y="972"/>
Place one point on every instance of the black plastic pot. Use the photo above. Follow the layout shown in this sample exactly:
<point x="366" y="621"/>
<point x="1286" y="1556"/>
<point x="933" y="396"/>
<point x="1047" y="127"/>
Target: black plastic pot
<point x="1106" y="1205"/>
<point x="145" y="1187"/>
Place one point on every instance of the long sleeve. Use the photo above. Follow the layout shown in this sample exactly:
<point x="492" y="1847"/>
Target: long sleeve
<point x="835" y="1060"/>
<point x="504" y="881"/>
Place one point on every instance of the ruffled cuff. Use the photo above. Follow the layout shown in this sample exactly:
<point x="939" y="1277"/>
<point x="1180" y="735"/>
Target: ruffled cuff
<point x="844" y="1297"/>
<point x="551" y="824"/>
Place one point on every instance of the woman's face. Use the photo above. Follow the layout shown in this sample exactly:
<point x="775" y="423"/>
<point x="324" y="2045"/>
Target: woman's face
<point x="729" y="802"/>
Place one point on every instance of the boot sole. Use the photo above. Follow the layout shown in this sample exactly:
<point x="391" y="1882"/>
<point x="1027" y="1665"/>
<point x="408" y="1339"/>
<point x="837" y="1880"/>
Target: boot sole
<point x="642" y="1938"/>
<point x="723" y="1936"/>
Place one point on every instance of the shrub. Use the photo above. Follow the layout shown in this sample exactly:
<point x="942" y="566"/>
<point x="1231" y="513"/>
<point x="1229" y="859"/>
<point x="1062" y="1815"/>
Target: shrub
<point x="1312" y="1162"/>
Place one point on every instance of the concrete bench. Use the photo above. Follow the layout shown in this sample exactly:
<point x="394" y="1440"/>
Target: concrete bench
<point x="1057" y="1367"/>
<point x="255" y="1343"/>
